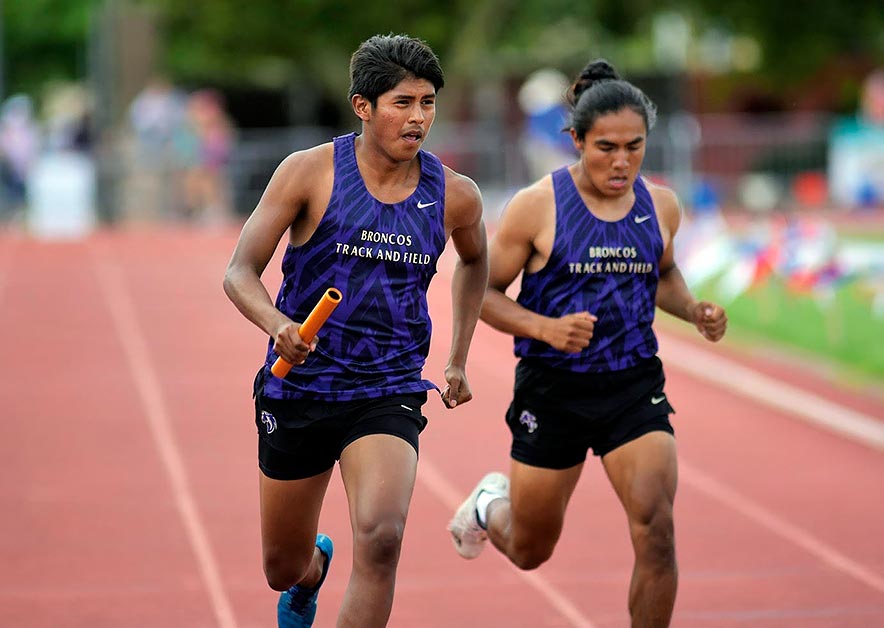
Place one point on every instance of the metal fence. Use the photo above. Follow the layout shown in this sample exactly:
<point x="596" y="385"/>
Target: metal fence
<point x="729" y="160"/>
<point x="728" y="156"/>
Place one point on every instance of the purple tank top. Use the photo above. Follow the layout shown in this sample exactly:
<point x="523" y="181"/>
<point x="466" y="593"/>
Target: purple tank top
<point x="381" y="257"/>
<point x="609" y="269"/>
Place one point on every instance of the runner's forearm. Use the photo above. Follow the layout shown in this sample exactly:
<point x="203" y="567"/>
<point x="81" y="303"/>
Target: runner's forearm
<point x="674" y="296"/>
<point x="467" y="292"/>
<point x="248" y="294"/>
<point x="507" y="316"/>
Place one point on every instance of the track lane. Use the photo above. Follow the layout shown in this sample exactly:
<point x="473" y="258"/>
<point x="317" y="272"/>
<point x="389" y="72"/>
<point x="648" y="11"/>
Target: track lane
<point x="751" y="475"/>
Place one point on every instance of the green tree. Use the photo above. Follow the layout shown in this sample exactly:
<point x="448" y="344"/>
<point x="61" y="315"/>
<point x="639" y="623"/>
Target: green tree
<point x="797" y="38"/>
<point x="273" y="42"/>
<point x="44" y="40"/>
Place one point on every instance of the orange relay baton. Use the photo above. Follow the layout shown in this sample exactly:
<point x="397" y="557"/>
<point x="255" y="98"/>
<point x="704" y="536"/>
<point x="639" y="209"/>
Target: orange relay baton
<point x="311" y="325"/>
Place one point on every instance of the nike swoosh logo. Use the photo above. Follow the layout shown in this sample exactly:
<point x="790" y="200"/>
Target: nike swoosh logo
<point x="421" y="205"/>
<point x="638" y="219"/>
<point x="656" y="400"/>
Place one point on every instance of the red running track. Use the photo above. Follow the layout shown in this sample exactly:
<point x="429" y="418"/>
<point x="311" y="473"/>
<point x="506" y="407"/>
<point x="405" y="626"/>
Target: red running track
<point x="128" y="490"/>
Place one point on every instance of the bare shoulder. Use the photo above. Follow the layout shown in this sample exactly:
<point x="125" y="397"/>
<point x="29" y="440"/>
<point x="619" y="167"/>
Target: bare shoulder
<point x="541" y="191"/>
<point x="300" y="181"/>
<point x="463" y="200"/>
<point x="666" y="203"/>
<point x="313" y="160"/>
<point x="296" y="194"/>
<point x="459" y="188"/>
<point x="532" y="206"/>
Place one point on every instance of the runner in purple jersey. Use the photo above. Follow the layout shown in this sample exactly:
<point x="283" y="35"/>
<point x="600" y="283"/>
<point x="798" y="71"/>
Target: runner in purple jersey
<point x="594" y="244"/>
<point x="368" y="214"/>
<point x="382" y="256"/>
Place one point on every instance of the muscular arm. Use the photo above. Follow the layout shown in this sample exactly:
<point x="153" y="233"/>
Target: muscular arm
<point x="673" y="294"/>
<point x="463" y="217"/>
<point x="511" y="248"/>
<point x="281" y="205"/>
<point x="523" y="241"/>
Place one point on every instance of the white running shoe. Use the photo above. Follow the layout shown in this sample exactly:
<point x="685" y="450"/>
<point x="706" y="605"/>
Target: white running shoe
<point x="468" y="536"/>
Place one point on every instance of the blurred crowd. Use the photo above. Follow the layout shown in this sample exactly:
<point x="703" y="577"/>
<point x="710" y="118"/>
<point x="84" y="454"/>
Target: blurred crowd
<point x="168" y="159"/>
<point x="24" y="136"/>
<point x="180" y="145"/>
<point x="20" y="142"/>
<point x="175" y="155"/>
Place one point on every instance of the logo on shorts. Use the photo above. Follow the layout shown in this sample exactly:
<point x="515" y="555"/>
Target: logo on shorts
<point x="528" y="420"/>
<point x="269" y="421"/>
<point x="657" y="400"/>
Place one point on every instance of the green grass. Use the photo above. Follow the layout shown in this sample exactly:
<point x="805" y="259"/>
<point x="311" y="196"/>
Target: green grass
<point x="844" y="330"/>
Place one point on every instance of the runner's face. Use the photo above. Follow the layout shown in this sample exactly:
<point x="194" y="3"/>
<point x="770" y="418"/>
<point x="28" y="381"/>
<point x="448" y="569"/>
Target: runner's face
<point x="612" y="151"/>
<point x="403" y="117"/>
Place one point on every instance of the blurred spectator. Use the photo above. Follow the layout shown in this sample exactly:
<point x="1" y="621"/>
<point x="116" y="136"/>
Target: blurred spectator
<point x="209" y="142"/>
<point x="19" y="150"/>
<point x="856" y="157"/>
<point x="182" y="147"/>
<point x="873" y="98"/>
<point x="156" y="115"/>
<point x="67" y="119"/>
<point x="151" y="162"/>
<point x="61" y="190"/>
<point x="546" y="145"/>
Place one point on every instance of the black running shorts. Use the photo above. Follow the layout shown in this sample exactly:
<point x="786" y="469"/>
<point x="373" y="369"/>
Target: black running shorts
<point x="556" y="416"/>
<point x="301" y="438"/>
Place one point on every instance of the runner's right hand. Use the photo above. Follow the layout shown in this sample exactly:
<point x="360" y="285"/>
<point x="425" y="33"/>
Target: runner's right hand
<point x="571" y="333"/>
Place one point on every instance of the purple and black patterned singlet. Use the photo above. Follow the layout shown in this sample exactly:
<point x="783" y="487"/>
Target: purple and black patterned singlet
<point x="381" y="257"/>
<point x="609" y="269"/>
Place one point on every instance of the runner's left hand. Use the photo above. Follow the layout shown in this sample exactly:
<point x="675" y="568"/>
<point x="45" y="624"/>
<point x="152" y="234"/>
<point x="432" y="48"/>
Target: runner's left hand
<point x="457" y="391"/>
<point x="710" y="319"/>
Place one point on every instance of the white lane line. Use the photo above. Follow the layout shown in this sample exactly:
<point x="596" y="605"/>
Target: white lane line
<point x="430" y="475"/>
<point x="150" y="393"/>
<point x="793" y="534"/>
<point x="762" y="388"/>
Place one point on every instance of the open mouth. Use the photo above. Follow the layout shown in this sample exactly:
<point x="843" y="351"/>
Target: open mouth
<point x="413" y="136"/>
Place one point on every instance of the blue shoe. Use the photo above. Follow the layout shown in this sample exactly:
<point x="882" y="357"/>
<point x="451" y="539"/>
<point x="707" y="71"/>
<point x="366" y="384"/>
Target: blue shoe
<point x="297" y="606"/>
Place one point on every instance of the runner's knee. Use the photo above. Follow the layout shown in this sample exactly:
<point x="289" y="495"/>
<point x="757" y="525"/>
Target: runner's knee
<point x="379" y="542"/>
<point x="654" y="539"/>
<point x="530" y="555"/>
<point x="283" y="570"/>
